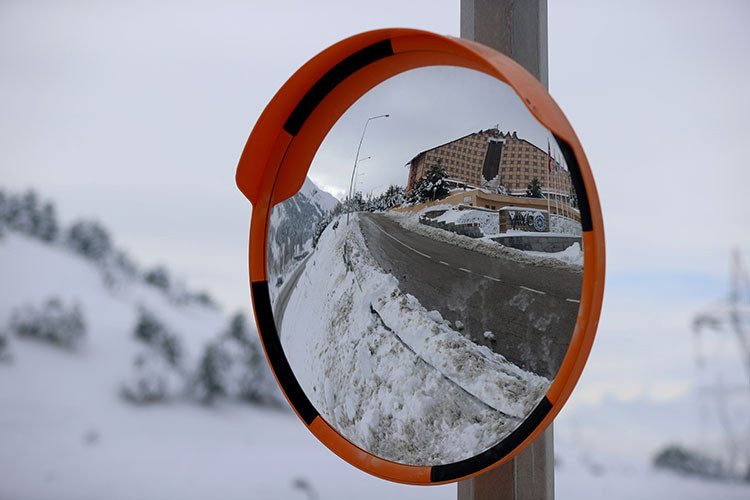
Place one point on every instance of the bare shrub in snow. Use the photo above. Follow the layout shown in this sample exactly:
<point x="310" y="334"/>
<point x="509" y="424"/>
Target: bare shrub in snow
<point x="52" y="322"/>
<point x="690" y="463"/>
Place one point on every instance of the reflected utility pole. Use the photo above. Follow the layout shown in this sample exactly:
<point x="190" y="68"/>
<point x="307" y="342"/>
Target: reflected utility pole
<point x="518" y="29"/>
<point x="356" y="160"/>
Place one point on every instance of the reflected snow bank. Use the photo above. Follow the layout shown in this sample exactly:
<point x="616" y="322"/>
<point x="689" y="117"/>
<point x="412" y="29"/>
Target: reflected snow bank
<point x="486" y="245"/>
<point x="390" y="376"/>
<point x="572" y="255"/>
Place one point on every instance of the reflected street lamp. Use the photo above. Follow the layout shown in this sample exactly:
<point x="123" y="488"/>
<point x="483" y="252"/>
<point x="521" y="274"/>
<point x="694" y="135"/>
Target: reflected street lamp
<point x="359" y="173"/>
<point x="356" y="160"/>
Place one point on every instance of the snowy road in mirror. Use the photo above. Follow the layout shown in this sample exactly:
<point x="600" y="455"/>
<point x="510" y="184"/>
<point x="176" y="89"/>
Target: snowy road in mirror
<point x="525" y="312"/>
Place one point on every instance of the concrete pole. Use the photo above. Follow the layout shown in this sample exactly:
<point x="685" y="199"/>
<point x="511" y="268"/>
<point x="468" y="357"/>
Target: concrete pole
<point x="517" y="28"/>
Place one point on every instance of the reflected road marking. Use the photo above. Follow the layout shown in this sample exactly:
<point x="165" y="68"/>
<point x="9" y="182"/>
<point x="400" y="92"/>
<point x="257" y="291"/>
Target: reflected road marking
<point x="404" y="244"/>
<point x="532" y="290"/>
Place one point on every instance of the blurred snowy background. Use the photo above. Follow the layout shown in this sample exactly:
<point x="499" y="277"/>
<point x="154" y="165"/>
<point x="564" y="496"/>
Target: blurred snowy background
<point x="127" y="119"/>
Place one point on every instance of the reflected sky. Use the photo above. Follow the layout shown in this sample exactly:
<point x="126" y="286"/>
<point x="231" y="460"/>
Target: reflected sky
<point x="427" y="107"/>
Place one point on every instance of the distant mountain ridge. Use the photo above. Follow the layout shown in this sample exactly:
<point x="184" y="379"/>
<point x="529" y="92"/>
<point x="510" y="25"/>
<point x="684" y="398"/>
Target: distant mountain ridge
<point x="292" y="224"/>
<point x="35" y="217"/>
<point x="323" y="199"/>
<point x="134" y="333"/>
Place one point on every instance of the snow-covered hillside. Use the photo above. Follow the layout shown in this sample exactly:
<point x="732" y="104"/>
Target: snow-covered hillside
<point x="66" y="432"/>
<point x="323" y="199"/>
<point x="291" y="229"/>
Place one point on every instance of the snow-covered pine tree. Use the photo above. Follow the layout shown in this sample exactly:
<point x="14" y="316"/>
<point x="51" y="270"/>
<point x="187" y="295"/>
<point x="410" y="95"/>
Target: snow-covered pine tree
<point x="393" y="196"/>
<point x="153" y="380"/>
<point x="234" y="366"/>
<point x="26" y="214"/>
<point x="210" y="381"/>
<point x="47" y="228"/>
<point x="152" y="332"/>
<point x="158" y="372"/>
<point x="53" y="322"/>
<point x="534" y="189"/>
<point x="89" y="239"/>
<point x="432" y="185"/>
<point x="158" y="277"/>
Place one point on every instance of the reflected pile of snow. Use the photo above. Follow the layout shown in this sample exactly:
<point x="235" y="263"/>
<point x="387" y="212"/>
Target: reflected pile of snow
<point x="488" y="222"/>
<point x="389" y="375"/>
<point x="565" y="225"/>
<point x="572" y="255"/>
<point x="482" y="373"/>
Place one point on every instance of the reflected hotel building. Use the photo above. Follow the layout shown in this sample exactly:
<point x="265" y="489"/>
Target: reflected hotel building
<point x="491" y="159"/>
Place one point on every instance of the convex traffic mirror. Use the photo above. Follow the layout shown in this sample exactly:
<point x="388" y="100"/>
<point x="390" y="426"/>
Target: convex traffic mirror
<point x="426" y="253"/>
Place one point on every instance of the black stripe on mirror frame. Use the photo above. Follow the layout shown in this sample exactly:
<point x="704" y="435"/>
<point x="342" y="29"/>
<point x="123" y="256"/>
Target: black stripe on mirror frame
<point x="448" y="472"/>
<point x="575" y="176"/>
<point x="332" y="78"/>
<point x="270" y="337"/>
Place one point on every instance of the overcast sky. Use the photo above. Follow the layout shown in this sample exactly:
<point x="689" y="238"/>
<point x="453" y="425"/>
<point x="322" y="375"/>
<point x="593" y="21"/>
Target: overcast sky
<point x="427" y="107"/>
<point x="135" y="113"/>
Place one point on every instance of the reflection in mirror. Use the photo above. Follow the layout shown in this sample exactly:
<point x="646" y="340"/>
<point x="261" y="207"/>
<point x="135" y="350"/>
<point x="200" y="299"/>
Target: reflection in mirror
<point x="425" y="281"/>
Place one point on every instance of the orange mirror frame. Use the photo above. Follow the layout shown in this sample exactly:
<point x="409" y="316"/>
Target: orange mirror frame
<point x="273" y="167"/>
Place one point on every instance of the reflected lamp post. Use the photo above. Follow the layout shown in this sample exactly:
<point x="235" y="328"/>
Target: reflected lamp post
<point x="359" y="174"/>
<point x="356" y="160"/>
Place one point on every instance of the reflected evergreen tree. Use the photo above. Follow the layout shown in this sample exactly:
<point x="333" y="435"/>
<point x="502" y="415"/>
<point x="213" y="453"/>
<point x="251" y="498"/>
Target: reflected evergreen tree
<point x="431" y="186"/>
<point x="534" y="189"/>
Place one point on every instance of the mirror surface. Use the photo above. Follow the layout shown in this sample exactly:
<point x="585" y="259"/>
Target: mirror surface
<point x="425" y="281"/>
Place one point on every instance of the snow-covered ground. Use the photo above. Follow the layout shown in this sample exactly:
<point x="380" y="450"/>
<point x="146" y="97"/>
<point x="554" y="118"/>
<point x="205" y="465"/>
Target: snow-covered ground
<point x="391" y="376"/>
<point x="65" y="433"/>
<point x="582" y="473"/>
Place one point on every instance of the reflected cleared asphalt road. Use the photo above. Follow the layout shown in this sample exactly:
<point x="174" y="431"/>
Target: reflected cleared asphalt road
<point x="530" y="311"/>
<point x="279" y="307"/>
